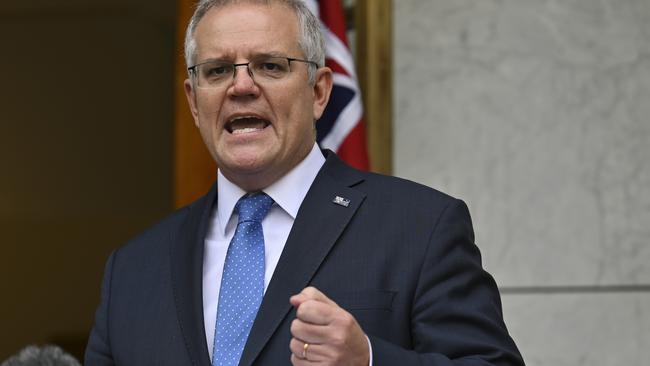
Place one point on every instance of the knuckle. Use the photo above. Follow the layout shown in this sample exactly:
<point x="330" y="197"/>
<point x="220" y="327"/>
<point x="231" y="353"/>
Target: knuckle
<point x="295" y="326"/>
<point x="310" y="291"/>
<point x="300" y="312"/>
<point x="338" y="339"/>
<point x="347" y="320"/>
<point x="305" y="308"/>
<point x="293" y="344"/>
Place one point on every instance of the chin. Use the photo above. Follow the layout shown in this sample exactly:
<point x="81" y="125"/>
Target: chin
<point x="247" y="163"/>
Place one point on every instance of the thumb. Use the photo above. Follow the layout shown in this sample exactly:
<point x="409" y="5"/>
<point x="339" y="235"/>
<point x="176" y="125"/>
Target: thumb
<point x="310" y="293"/>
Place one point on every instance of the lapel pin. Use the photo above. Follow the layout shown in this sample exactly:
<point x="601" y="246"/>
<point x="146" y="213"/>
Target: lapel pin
<point x="341" y="201"/>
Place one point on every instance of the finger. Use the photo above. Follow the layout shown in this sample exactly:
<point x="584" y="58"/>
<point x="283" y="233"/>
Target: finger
<point x="297" y="300"/>
<point x="310" y="333"/>
<point x="296" y="345"/>
<point x="341" y="326"/>
<point x="297" y="361"/>
<point x="312" y="352"/>
<point x="298" y="348"/>
<point x="310" y="293"/>
<point x="316" y="312"/>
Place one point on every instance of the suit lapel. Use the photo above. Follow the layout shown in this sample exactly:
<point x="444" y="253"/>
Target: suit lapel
<point x="186" y="261"/>
<point x="317" y="227"/>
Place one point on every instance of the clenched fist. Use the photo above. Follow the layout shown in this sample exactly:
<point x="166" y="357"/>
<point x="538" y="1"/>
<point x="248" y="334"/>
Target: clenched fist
<point x="324" y="333"/>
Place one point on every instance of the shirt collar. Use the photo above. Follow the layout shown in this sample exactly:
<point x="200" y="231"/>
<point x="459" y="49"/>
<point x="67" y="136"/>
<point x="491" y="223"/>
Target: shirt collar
<point x="288" y="192"/>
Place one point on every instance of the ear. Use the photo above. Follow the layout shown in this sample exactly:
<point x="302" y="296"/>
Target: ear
<point x="191" y="100"/>
<point x="322" y="90"/>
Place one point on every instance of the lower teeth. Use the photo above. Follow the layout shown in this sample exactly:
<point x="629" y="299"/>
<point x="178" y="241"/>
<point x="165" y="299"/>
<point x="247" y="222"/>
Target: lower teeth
<point x="244" y="130"/>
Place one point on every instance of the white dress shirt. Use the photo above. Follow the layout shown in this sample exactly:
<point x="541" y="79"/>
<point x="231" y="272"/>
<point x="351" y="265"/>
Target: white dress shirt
<point x="288" y="193"/>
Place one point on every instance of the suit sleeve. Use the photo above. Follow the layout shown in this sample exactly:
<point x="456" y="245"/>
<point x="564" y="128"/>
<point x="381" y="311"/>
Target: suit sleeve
<point x="456" y="315"/>
<point x="98" y="350"/>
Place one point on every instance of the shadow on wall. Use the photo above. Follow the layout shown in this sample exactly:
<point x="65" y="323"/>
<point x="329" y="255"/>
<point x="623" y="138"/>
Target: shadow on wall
<point x="85" y="151"/>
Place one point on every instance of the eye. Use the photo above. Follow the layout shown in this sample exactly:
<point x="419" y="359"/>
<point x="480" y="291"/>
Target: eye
<point x="216" y="70"/>
<point x="271" y="67"/>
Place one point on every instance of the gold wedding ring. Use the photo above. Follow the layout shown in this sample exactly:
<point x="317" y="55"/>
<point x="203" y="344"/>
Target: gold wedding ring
<point x="304" y="351"/>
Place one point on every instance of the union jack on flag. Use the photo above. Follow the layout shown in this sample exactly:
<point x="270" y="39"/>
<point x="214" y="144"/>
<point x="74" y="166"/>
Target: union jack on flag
<point x="341" y="128"/>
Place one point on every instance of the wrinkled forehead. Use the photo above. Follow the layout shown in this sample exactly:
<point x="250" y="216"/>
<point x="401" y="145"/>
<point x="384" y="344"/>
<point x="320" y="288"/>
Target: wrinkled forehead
<point x="245" y="28"/>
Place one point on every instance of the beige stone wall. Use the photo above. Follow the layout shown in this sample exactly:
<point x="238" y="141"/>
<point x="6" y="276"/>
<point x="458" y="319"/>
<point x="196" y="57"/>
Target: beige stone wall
<point x="537" y="113"/>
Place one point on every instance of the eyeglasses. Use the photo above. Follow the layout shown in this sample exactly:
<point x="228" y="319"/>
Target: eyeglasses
<point x="267" y="69"/>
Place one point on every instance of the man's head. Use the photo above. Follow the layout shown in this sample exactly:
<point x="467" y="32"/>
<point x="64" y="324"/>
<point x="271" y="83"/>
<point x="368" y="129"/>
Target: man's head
<point x="311" y="39"/>
<point x="41" y="356"/>
<point x="258" y="120"/>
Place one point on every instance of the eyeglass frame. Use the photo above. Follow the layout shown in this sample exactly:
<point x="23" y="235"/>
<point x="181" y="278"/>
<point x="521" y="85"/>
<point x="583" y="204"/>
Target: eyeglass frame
<point x="194" y="73"/>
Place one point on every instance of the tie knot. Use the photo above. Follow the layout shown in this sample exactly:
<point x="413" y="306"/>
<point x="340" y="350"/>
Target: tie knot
<point x="254" y="207"/>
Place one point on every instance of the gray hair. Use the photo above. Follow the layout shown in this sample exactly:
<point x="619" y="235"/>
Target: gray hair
<point x="311" y="41"/>
<point x="45" y="356"/>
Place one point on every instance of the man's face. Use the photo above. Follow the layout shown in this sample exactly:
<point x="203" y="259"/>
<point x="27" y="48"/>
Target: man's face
<point x="256" y="131"/>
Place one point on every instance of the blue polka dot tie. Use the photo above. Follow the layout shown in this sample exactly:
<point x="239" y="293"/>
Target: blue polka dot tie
<point x="242" y="282"/>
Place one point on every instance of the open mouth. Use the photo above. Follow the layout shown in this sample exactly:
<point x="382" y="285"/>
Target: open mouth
<point x="246" y="124"/>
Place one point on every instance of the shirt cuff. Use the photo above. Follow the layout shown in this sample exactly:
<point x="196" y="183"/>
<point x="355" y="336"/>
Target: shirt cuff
<point x="370" y="351"/>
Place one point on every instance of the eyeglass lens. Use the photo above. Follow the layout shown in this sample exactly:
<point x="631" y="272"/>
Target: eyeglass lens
<point x="220" y="73"/>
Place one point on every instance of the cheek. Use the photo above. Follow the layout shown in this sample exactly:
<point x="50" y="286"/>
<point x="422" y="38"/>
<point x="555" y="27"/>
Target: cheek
<point x="300" y="122"/>
<point x="208" y="113"/>
<point x="206" y="107"/>
<point x="301" y="107"/>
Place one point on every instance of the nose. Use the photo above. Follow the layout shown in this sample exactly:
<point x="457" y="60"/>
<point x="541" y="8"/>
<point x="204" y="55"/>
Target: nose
<point x="243" y="83"/>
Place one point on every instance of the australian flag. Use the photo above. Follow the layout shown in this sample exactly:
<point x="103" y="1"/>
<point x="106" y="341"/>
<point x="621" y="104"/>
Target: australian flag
<point x="341" y="128"/>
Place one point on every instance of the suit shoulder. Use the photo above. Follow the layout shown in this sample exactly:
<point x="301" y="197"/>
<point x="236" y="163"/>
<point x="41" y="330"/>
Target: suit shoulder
<point x="161" y="234"/>
<point x="382" y="186"/>
<point x="154" y="239"/>
<point x="400" y="188"/>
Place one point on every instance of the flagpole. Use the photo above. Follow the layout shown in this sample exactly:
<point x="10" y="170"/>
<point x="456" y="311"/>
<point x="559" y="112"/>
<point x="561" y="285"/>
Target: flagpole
<point x="194" y="169"/>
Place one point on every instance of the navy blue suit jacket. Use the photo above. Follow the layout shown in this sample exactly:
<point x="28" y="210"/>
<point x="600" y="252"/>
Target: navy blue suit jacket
<point x="400" y="258"/>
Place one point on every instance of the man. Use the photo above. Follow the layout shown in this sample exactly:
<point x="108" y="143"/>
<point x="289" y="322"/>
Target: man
<point x="293" y="257"/>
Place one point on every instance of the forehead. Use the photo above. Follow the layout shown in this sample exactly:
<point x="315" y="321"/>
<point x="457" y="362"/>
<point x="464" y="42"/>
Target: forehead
<point x="241" y="29"/>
